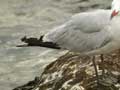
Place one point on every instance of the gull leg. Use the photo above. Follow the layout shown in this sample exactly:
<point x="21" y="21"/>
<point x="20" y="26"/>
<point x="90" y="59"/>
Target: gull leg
<point x="102" y="61"/>
<point x="96" y="72"/>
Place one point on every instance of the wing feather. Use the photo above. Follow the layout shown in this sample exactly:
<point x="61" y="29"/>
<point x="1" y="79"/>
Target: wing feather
<point x="83" y="33"/>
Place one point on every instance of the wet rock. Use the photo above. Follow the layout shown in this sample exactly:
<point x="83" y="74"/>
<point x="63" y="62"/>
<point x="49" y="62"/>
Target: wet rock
<point x="75" y="72"/>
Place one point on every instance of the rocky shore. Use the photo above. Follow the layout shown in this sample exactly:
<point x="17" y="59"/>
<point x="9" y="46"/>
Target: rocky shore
<point x="73" y="72"/>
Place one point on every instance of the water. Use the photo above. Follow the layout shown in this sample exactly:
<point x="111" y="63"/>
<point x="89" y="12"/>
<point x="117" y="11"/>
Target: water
<point x="31" y="18"/>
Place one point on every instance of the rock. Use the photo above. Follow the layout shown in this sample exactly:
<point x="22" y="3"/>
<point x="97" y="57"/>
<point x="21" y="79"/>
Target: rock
<point x="75" y="72"/>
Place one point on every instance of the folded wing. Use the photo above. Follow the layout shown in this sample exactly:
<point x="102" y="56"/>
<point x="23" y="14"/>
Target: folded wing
<point x="83" y="32"/>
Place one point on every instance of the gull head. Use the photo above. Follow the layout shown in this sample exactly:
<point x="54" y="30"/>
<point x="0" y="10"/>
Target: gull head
<point x="115" y="8"/>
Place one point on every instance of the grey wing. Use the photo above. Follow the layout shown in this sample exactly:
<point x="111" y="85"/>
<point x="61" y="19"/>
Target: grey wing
<point x="73" y="36"/>
<point x="83" y="42"/>
<point x="89" y="22"/>
<point x="78" y="41"/>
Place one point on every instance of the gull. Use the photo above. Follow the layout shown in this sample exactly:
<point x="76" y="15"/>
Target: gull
<point x="89" y="33"/>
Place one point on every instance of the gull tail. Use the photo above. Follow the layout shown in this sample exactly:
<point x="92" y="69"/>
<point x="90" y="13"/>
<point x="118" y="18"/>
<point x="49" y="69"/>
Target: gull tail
<point x="39" y="42"/>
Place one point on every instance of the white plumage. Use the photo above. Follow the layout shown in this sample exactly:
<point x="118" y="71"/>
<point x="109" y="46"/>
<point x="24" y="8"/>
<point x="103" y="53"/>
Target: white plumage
<point x="84" y="32"/>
